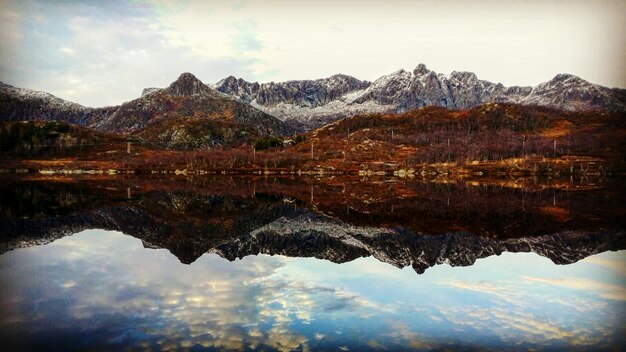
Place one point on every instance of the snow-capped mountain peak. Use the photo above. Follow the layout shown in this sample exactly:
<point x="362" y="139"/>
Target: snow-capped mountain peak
<point x="317" y="102"/>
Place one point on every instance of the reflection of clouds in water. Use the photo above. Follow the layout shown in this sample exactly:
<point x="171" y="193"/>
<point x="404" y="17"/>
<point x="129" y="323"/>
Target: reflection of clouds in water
<point x="521" y="328"/>
<point x="107" y="284"/>
<point x="244" y="304"/>
<point x="402" y="333"/>
<point x="604" y="290"/>
<point x="616" y="265"/>
<point x="519" y="312"/>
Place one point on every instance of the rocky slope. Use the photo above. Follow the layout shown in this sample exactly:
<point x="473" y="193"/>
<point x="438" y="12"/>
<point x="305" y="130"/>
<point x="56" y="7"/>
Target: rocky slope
<point x="315" y="103"/>
<point x="307" y="104"/>
<point x="185" y="97"/>
<point x="17" y="104"/>
<point x="193" y="133"/>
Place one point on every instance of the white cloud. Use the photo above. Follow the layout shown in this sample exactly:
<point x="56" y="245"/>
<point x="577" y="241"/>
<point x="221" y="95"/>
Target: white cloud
<point x="121" y="47"/>
<point x="212" y="302"/>
<point x="603" y="289"/>
<point x="618" y="266"/>
<point x="67" y="51"/>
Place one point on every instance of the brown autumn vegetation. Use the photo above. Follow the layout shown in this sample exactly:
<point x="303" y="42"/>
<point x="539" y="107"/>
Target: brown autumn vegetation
<point x="493" y="140"/>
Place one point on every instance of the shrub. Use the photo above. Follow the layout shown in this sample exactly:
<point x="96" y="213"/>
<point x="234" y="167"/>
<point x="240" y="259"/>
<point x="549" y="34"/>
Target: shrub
<point x="268" y="142"/>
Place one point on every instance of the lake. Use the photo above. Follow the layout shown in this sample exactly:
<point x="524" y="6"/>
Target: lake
<point x="305" y="264"/>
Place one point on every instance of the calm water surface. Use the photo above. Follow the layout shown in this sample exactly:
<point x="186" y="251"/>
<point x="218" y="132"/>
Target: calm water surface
<point x="101" y="288"/>
<point x="274" y="267"/>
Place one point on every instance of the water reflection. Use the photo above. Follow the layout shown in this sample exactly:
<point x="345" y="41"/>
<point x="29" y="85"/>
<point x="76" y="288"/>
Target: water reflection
<point x="417" y="224"/>
<point x="100" y="289"/>
<point x="310" y="264"/>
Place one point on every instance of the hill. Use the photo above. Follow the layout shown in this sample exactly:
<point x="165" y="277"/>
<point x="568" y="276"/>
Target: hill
<point x="185" y="97"/>
<point x="492" y="140"/>
<point x="188" y="97"/>
<point x="503" y="135"/>
<point x="191" y="133"/>
<point x="44" y="138"/>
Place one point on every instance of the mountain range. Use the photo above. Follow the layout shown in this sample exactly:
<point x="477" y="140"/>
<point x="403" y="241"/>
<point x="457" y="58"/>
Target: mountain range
<point x="314" y="103"/>
<point x="186" y="97"/>
<point x="300" y="105"/>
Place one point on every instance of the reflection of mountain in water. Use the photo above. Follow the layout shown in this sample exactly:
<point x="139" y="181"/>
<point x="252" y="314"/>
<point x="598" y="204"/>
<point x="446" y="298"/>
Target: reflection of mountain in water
<point x="310" y="235"/>
<point x="232" y="225"/>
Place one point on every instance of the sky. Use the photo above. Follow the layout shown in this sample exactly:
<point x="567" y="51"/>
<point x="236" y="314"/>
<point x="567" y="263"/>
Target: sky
<point x="99" y="53"/>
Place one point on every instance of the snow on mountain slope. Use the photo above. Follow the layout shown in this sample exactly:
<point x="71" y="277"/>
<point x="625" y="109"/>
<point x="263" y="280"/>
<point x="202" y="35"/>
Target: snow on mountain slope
<point x="25" y="104"/>
<point x="308" y="104"/>
<point x="188" y="97"/>
<point x="318" y="102"/>
<point x="185" y="97"/>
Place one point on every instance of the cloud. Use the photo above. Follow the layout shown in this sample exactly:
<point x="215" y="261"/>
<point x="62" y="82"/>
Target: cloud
<point x="246" y="40"/>
<point x="508" y="293"/>
<point x="213" y="303"/>
<point x="97" y="54"/>
<point x="67" y="51"/>
<point x="522" y="328"/>
<point x="519" y="311"/>
<point x="617" y="266"/>
<point x="93" y="287"/>
<point x="120" y="47"/>
<point x="604" y="290"/>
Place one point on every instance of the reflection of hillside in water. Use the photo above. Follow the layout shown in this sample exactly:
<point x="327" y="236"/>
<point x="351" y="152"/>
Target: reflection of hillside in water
<point x="418" y="224"/>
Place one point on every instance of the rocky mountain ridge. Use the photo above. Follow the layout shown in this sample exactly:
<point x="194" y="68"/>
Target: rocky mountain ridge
<point x="314" y="103"/>
<point x="307" y="104"/>
<point x="185" y="97"/>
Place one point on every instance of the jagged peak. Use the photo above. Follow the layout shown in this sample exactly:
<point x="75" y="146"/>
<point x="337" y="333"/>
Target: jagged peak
<point x="562" y="77"/>
<point x="347" y="79"/>
<point x="398" y="73"/>
<point x="340" y="75"/>
<point x="2" y="84"/>
<point x="149" y="90"/>
<point x="463" y="74"/>
<point x="187" y="76"/>
<point x="229" y="79"/>
<point x="187" y="84"/>
<point x="344" y="77"/>
<point x="421" y="70"/>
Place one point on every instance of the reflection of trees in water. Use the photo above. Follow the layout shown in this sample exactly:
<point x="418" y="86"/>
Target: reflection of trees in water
<point x="192" y="216"/>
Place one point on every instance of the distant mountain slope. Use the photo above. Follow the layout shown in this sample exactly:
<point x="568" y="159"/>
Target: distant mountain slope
<point x="39" y="138"/>
<point x="185" y="97"/>
<point x="17" y="104"/>
<point x="315" y="103"/>
<point x="281" y="108"/>
<point x="307" y="93"/>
